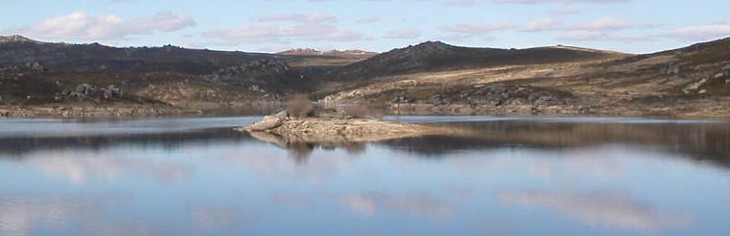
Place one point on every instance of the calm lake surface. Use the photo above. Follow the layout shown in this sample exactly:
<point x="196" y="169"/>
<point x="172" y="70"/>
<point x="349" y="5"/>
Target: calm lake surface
<point x="519" y="176"/>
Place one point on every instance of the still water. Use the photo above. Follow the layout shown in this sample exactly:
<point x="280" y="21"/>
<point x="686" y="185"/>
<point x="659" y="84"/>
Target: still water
<point x="520" y="176"/>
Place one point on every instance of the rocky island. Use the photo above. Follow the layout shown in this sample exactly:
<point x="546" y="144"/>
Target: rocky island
<point x="332" y="129"/>
<point x="303" y="122"/>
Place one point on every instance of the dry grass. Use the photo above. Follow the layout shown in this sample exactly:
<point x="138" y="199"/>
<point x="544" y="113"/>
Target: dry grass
<point x="361" y="111"/>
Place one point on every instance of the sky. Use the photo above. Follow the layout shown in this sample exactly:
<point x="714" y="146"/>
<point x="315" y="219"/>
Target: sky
<point x="634" y="26"/>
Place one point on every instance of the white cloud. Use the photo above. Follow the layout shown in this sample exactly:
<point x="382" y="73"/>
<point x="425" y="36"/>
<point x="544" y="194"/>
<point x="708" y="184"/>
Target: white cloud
<point x="609" y="28"/>
<point x="588" y="35"/>
<point x="459" y="2"/>
<point x="302" y="18"/>
<point x="603" y="24"/>
<point x="445" y="2"/>
<point x="557" y="1"/>
<point x="366" y="20"/>
<point x="463" y="31"/>
<point x="565" y="11"/>
<point x="700" y="32"/>
<point x="286" y="28"/>
<point x="583" y="35"/>
<point x="478" y="28"/>
<point x="405" y="33"/>
<point x="542" y="24"/>
<point x="83" y="26"/>
<point x="268" y="32"/>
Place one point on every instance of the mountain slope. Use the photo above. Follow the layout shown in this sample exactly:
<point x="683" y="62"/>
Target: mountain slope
<point x="432" y="77"/>
<point x="44" y="70"/>
<point x="691" y="81"/>
<point x="438" y="56"/>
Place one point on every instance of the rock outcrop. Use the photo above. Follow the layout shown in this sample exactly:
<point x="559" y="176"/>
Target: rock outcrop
<point x="329" y="129"/>
<point x="111" y="92"/>
<point x="250" y="72"/>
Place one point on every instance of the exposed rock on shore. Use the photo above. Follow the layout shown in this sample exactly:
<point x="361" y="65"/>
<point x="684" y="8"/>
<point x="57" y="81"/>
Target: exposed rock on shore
<point x="323" y="129"/>
<point x="302" y="123"/>
<point x="69" y="111"/>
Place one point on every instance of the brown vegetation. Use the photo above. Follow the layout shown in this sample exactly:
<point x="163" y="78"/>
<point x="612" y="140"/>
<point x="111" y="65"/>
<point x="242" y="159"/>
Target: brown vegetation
<point x="300" y="106"/>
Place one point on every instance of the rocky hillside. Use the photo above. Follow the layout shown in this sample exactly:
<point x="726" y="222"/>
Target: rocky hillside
<point x="689" y="82"/>
<point x="438" y="56"/>
<point x="313" y="52"/>
<point x="318" y="63"/>
<point x="33" y="71"/>
<point x="425" y="78"/>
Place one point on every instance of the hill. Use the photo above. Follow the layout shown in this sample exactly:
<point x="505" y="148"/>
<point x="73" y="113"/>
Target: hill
<point x="431" y="77"/>
<point x="36" y="72"/>
<point x="316" y="62"/>
<point x="438" y="78"/>
<point x="438" y="56"/>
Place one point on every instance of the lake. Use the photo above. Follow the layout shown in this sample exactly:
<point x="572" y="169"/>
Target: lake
<point x="520" y="176"/>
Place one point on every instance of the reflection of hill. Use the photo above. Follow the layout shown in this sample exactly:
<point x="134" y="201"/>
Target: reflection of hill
<point x="710" y="142"/>
<point x="22" y="145"/>
<point x="701" y="141"/>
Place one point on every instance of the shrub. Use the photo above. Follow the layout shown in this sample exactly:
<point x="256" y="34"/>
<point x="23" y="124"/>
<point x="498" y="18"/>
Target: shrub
<point x="300" y="106"/>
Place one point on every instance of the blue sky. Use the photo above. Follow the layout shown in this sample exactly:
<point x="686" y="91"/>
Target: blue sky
<point x="637" y="26"/>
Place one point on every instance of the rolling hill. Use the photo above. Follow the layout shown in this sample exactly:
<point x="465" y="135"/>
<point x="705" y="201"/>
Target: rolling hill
<point x="431" y="77"/>
<point x="439" y="56"/>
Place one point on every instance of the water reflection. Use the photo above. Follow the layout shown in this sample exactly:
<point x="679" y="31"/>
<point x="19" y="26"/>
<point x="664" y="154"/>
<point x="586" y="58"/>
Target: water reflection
<point x="703" y="141"/>
<point x="512" y="177"/>
<point x="611" y="209"/>
<point x="19" y="214"/>
<point x="414" y="204"/>
<point x="77" y="166"/>
<point x="18" y="147"/>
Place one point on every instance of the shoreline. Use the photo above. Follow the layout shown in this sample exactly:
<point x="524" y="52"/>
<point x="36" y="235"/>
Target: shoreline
<point x="706" y="111"/>
<point x="702" y="111"/>
<point x="131" y="110"/>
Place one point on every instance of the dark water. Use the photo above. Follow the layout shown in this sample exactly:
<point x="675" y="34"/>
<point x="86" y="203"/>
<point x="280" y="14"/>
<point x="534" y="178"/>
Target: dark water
<point x="519" y="176"/>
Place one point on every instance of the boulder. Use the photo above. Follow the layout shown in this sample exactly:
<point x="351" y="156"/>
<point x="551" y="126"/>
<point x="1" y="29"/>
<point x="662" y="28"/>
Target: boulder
<point x="86" y="90"/>
<point x="282" y="114"/>
<point x="672" y="68"/>
<point x="693" y="86"/>
<point x="113" y="91"/>
<point x="268" y="123"/>
<point x="401" y="99"/>
<point x="548" y="100"/>
<point x="436" y="99"/>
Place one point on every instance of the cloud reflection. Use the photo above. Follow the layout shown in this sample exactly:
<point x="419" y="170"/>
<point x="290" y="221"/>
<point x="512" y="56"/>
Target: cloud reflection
<point x="214" y="216"/>
<point x="272" y="163"/>
<point x="608" y="209"/>
<point x="80" y="166"/>
<point x="20" y="216"/>
<point x="413" y="204"/>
